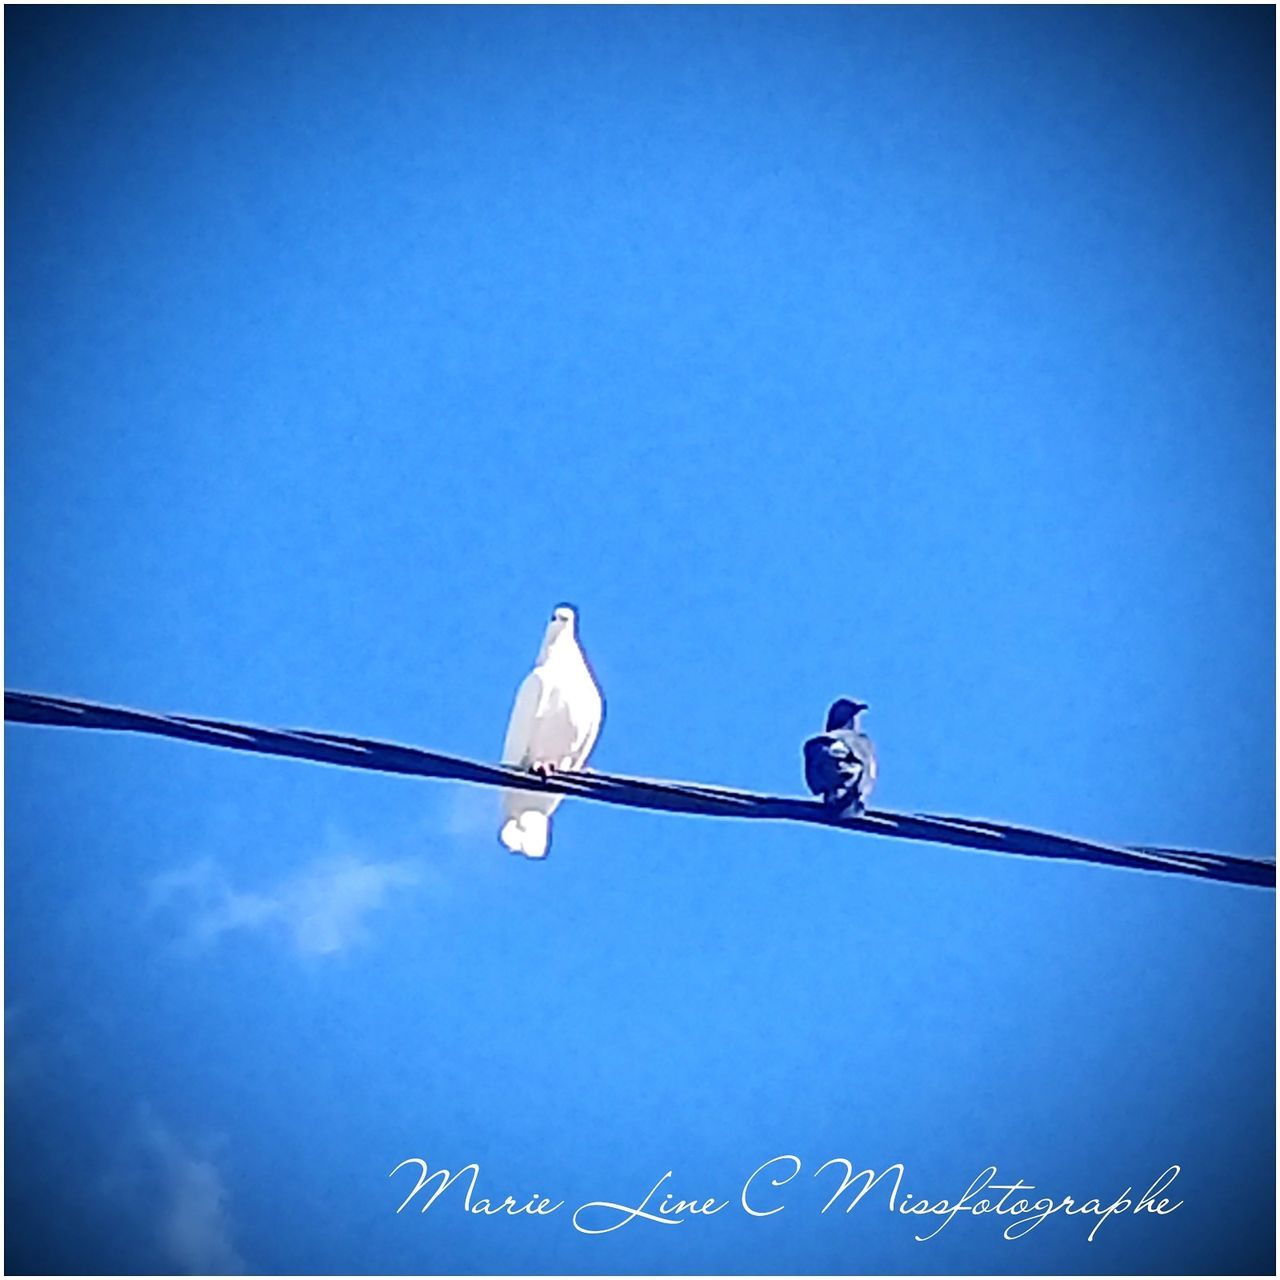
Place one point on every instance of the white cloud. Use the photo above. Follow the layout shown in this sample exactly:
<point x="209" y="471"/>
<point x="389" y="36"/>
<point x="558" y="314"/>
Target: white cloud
<point x="194" y="1227"/>
<point x="321" y="910"/>
<point x="470" y="812"/>
<point x="326" y="907"/>
<point x="174" y="1196"/>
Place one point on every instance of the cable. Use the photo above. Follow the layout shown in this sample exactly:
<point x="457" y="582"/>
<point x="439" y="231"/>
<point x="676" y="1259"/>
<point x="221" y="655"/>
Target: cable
<point x="639" y="793"/>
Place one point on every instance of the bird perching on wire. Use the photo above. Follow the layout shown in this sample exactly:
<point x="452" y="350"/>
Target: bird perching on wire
<point x="554" y="724"/>
<point x="840" y="764"/>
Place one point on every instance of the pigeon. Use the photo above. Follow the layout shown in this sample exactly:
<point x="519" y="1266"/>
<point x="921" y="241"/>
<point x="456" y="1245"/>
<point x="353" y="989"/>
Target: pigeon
<point x="840" y="764"/>
<point x="554" y="725"/>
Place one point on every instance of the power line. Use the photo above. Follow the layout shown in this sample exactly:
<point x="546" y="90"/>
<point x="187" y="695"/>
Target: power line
<point x="638" y="793"/>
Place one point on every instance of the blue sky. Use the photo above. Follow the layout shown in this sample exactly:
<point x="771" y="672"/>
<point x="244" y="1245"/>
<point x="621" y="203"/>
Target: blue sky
<point x="920" y="355"/>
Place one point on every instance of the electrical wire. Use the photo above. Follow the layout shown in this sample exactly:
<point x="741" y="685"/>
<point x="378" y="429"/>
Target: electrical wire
<point x="639" y="793"/>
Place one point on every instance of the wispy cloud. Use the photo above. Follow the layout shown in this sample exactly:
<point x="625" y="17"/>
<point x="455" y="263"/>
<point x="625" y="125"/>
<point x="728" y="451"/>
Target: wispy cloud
<point x="171" y="1202"/>
<point x="469" y="812"/>
<point x="194" y="1226"/>
<point x="321" y="910"/>
<point x="22" y="1056"/>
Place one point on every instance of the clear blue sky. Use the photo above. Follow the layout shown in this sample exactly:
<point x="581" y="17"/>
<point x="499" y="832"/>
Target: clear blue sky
<point x="919" y="355"/>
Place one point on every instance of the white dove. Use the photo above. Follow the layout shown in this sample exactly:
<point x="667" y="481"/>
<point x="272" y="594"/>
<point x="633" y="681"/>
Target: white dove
<point x="554" y="725"/>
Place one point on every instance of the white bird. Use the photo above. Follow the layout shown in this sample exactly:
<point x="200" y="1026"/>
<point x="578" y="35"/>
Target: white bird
<point x="554" y="725"/>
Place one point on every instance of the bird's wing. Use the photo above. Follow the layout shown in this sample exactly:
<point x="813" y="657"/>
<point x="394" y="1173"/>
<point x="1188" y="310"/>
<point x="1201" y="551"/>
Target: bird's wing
<point x="828" y="762"/>
<point x="866" y="753"/>
<point x="523" y="717"/>
<point x="815" y="753"/>
<point x="589" y="738"/>
<point x="585" y="707"/>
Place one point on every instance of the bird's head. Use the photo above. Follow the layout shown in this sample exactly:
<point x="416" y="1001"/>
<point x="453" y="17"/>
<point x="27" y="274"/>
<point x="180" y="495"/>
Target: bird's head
<point x="843" y="713"/>
<point x="564" y="620"/>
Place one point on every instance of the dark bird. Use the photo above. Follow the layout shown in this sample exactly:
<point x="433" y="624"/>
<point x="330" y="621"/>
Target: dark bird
<point x="840" y="764"/>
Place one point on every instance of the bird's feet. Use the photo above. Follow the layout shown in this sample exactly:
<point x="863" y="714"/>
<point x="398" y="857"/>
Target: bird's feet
<point x="845" y="804"/>
<point x="543" y="768"/>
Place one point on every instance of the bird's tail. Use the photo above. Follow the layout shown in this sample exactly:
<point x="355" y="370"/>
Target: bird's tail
<point x="528" y="833"/>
